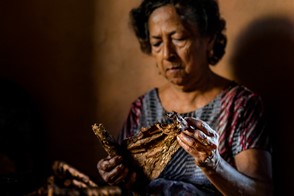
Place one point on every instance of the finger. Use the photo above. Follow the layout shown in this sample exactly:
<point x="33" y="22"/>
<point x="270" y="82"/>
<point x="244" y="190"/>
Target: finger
<point x="99" y="165"/>
<point x="110" y="168"/>
<point x="202" y="138"/>
<point x="196" y="153"/>
<point x="108" y="163"/>
<point x="199" y="156"/>
<point x="113" y="175"/>
<point x="199" y="124"/>
<point x="190" y="144"/>
<point x="121" y="174"/>
<point x="186" y="147"/>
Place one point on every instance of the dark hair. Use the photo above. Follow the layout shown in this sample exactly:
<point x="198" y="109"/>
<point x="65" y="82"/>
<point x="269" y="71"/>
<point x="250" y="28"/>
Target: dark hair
<point x="204" y="13"/>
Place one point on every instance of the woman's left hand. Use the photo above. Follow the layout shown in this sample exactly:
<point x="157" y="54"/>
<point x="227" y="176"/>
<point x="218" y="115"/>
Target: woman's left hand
<point x="201" y="142"/>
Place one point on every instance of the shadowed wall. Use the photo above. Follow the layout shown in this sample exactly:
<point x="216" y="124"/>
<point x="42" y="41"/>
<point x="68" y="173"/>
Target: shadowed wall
<point x="46" y="50"/>
<point x="264" y="51"/>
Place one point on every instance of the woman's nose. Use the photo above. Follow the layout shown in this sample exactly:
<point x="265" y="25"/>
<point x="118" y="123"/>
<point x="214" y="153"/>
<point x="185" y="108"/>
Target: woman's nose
<point x="168" y="51"/>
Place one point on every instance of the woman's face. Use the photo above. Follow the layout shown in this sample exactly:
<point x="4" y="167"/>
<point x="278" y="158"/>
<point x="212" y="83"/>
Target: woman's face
<point x="179" y="50"/>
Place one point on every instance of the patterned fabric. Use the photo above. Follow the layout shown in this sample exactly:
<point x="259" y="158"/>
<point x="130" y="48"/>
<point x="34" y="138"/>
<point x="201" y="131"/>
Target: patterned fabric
<point x="236" y="114"/>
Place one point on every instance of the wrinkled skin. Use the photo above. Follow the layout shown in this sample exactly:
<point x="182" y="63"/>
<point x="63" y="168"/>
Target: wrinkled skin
<point x="113" y="171"/>
<point x="201" y="142"/>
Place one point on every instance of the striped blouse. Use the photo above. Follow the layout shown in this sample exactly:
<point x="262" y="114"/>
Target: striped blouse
<point x="236" y="114"/>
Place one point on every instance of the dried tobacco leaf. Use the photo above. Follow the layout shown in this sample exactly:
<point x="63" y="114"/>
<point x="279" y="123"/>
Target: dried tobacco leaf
<point x="153" y="148"/>
<point x="150" y="150"/>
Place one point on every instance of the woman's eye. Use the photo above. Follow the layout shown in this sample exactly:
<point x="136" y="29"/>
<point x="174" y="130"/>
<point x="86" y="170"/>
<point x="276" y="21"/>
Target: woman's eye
<point x="156" y="44"/>
<point x="179" y="39"/>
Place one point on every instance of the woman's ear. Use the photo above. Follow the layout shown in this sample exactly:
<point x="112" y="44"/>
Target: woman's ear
<point x="210" y="49"/>
<point x="210" y="42"/>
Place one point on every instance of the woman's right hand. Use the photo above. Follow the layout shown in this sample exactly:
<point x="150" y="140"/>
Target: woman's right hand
<point x="114" y="172"/>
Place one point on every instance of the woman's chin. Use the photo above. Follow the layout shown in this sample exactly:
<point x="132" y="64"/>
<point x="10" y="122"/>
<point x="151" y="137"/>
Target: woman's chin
<point x="177" y="81"/>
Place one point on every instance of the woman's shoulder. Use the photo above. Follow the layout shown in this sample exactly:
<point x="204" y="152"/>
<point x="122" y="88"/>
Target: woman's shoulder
<point x="239" y="90"/>
<point x="240" y="96"/>
<point x="149" y="94"/>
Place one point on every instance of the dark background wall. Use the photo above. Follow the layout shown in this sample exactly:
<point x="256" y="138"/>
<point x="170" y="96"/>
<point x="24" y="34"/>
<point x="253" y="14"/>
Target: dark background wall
<point x="263" y="60"/>
<point x="46" y="53"/>
<point x="77" y="62"/>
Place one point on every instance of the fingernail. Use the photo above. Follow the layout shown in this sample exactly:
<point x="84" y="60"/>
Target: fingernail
<point x="201" y="135"/>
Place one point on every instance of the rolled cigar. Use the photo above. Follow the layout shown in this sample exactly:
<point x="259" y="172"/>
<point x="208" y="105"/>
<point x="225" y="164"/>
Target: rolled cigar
<point x="108" y="142"/>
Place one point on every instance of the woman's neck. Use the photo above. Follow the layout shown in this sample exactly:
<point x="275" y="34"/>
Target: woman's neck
<point x="182" y="100"/>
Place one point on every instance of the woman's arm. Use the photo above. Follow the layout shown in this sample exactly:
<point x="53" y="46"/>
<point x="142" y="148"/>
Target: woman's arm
<point x="252" y="176"/>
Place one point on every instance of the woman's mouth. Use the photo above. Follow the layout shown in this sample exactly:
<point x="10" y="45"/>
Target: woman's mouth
<point x="174" y="68"/>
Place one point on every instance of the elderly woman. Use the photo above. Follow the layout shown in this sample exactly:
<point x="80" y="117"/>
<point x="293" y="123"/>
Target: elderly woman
<point x="225" y="148"/>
